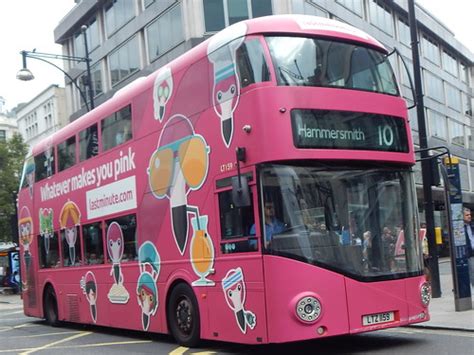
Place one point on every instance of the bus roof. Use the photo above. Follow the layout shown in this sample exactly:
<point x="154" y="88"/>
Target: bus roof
<point x="266" y="25"/>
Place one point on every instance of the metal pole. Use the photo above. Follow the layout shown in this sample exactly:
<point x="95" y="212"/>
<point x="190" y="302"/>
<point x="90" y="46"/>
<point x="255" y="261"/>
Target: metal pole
<point x="88" y="65"/>
<point x="425" y="163"/>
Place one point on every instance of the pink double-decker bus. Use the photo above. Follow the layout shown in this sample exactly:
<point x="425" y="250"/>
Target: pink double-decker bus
<point x="253" y="190"/>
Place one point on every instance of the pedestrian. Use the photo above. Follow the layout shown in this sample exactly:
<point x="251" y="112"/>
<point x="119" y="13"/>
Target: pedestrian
<point x="469" y="242"/>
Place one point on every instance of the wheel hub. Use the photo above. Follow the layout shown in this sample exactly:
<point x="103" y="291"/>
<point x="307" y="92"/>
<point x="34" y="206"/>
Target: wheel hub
<point x="184" y="315"/>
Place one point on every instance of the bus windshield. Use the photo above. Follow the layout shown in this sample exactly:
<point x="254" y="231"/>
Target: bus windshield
<point x="302" y="61"/>
<point x="359" y="222"/>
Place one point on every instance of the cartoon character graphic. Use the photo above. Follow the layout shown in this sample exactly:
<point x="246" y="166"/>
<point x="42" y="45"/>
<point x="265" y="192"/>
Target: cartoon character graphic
<point x="115" y="245"/>
<point x="89" y="288"/>
<point x="46" y="226"/>
<point x="162" y="91"/>
<point x="147" y="290"/>
<point x="233" y="286"/>
<point x="226" y="89"/>
<point x="202" y="251"/>
<point x="179" y="165"/>
<point x="25" y="230"/>
<point x="69" y="220"/>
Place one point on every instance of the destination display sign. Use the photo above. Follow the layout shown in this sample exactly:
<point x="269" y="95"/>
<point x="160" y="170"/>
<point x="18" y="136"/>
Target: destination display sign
<point x="324" y="129"/>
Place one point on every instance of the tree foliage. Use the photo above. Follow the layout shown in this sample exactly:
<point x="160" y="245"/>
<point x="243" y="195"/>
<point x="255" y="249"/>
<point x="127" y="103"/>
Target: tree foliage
<point x="12" y="155"/>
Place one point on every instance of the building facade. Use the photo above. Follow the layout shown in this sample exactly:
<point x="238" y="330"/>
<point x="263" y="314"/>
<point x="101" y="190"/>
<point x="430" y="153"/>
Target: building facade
<point x="131" y="38"/>
<point x="42" y="116"/>
<point x="8" y="125"/>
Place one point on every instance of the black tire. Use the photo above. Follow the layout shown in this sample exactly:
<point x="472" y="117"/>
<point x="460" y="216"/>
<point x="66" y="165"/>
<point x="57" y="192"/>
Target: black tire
<point x="182" y="313"/>
<point x="50" y="307"/>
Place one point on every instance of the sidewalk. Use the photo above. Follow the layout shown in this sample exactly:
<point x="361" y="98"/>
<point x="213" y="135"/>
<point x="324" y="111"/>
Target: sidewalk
<point x="442" y="310"/>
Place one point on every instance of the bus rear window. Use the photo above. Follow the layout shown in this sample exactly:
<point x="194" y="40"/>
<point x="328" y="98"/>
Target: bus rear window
<point x="117" y="128"/>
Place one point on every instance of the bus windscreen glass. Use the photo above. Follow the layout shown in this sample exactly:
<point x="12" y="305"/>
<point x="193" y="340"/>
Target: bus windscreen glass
<point x="302" y="61"/>
<point x="356" y="221"/>
<point x="348" y="130"/>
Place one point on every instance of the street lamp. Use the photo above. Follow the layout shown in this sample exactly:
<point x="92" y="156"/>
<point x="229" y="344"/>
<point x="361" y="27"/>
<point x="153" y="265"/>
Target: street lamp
<point x="25" y="74"/>
<point x="425" y="162"/>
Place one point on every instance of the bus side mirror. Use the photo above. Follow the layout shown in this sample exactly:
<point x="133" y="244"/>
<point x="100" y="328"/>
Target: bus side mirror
<point x="240" y="186"/>
<point x="240" y="191"/>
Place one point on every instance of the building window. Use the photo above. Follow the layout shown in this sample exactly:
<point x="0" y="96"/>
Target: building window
<point x="404" y="75"/>
<point x="471" y="170"/>
<point x="117" y="128"/>
<point x="222" y="13"/>
<point x="453" y="97"/>
<point x="412" y="116"/>
<point x="165" y="33"/>
<point x="430" y="50"/>
<point x="96" y="78"/>
<point x="3" y="135"/>
<point x="437" y="125"/>
<point x="381" y="17"/>
<point x="354" y="5"/>
<point x="92" y="34"/>
<point x="147" y="3"/>
<point x="456" y="131"/>
<point x="463" y="175"/>
<point x="124" y="61"/>
<point x="450" y="64"/>
<point x="404" y="32"/>
<point x="306" y="8"/>
<point x="434" y="87"/>
<point x="464" y="73"/>
<point x="467" y="106"/>
<point x="117" y="14"/>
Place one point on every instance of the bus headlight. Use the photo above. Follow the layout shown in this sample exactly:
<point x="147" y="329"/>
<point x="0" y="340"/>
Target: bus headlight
<point x="308" y="309"/>
<point x="425" y="294"/>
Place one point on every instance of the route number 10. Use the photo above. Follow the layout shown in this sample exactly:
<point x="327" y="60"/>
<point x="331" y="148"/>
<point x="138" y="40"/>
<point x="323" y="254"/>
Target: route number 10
<point x="385" y="135"/>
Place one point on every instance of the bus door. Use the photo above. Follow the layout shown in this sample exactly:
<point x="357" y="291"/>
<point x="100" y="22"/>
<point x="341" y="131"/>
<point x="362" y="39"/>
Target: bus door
<point x="237" y="312"/>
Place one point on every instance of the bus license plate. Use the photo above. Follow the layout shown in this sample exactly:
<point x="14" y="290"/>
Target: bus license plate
<point x="378" y="318"/>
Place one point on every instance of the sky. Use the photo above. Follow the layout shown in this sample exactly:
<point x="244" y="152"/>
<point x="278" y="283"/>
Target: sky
<point x="40" y="18"/>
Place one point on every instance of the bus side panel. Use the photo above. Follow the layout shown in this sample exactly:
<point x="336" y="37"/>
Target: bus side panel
<point x="236" y="305"/>
<point x="402" y="297"/>
<point x="287" y="282"/>
<point x="416" y="311"/>
<point x="28" y="231"/>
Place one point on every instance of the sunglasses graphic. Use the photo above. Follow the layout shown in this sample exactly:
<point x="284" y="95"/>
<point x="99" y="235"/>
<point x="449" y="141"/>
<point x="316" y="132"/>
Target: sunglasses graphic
<point x="192" y="154"/>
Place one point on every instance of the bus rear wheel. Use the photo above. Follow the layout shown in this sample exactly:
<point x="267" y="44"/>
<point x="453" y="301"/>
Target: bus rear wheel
<point x="183" y="316"/>
<point x="50" y="307"/>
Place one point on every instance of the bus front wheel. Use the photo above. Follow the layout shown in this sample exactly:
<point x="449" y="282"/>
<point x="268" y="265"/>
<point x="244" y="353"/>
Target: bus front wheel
<point x="50" y="307"/>
<point x="183" y="316"/>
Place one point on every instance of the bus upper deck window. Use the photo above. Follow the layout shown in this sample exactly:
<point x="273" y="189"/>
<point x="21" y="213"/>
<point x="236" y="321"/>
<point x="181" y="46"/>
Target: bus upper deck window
<point x="88" y="143"/>
<point x="251" y="63"/>
<point x="67" y="153"/>
<point x="117" y="128"/>
<point x="44" y="164"/>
